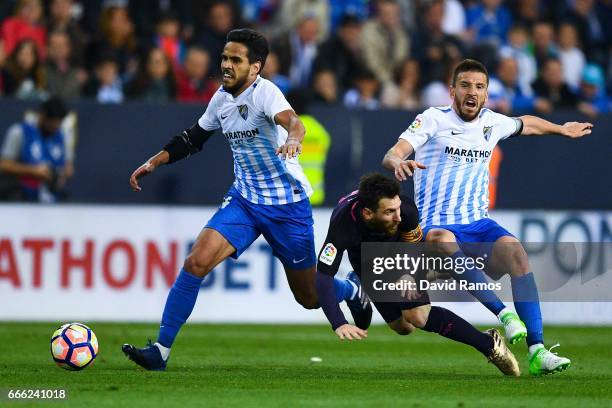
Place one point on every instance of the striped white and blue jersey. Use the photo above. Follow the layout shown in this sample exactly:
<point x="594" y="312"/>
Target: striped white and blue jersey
<point x="454" y="188"/>
<point x="247" y="122"/>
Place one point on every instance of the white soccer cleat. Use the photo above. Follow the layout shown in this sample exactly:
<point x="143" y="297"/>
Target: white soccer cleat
<point x="544" y="362"/>
<point x="514" y="328"/>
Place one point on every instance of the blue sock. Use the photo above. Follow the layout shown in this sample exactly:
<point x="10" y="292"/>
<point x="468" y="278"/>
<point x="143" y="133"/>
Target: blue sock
<point x="344" y="289"/>
<point x="527" y="305"/>
<point x="180" y="303"/>
<point x="475" y="275"/>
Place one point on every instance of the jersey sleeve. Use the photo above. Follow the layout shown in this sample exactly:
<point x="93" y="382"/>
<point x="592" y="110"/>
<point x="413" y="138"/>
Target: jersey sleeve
<point x="12" y="143"/>
<point x="330" y="255"/>
<point x="509" y="126"/>
<point x="210" y="119"/>
<point x="410" y="230"/>
<point x="420" y="130"/>
<point x="270" y="99"/>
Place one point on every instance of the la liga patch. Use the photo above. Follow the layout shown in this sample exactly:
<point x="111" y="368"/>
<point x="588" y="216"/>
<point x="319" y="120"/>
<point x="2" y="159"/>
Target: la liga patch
<point x="416" y="124"/>
<point x="328" y="254"/>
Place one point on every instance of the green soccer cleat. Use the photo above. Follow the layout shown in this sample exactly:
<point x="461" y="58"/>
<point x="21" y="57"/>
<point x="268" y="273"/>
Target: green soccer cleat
<point x="544" y="362"/>
<point x="514" y="328"/>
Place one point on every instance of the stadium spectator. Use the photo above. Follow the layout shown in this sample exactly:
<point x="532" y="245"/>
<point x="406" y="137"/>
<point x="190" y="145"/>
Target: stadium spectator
<point x="518" y="48"/>
<point x="292" y="12"/>
<point x="571" y="56"/>
<point x="62" y="79"/>
<point x="528" y="12"/>
<point x="218" y="21"/>
<point x="506" y="94"/>
<point x="271" y="71"/>
<point x="365" y="92"/>
<point x="436" y="51"/>
<point x="2" y="63"/>
<point x="62" y="18"/>
<point x="106" y="85"/>
<point x="25" y="24"/>
<point x="117" y="39"/>
<point x="38" y="154"/>
<point x="593" y="98"/>
<point x="259" y="12"/>
<point x="544" y="46"/>
<point x="155" y="80"/>
<point x="453" y="20"/>
<point x="193" y="84"/>
<point x="594" y="31"/>
<point x="403" y="93"/>
<point x="358" y="9"/>
<point x="341" y="53"/>
<point x="384" y="41"/>
<point x="551" y="86"/>
<point x="325" y="87"/>
<point x="23" y="75"/>
<point x="488" y="21"/>
<point x="167" y="37"/>
<point x="297" y="50"/>
<point x="146" y="13"/>
<point x="436" y="93"/>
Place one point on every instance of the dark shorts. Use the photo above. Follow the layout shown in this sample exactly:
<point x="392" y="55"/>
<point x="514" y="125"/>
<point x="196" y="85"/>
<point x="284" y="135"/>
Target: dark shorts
<point x="391" y="311"/>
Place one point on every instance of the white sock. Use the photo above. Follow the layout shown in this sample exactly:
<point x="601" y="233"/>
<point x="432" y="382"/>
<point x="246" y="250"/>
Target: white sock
<point x="165" y="351"/>
<point x="534" y="348"/>
<point x="502" y="312"/>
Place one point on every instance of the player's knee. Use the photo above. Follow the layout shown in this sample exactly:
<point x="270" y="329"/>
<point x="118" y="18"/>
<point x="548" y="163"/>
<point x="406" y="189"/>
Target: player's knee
<point x="402" y="327"/>
<point x="417" y="316"/>
<point x="445" y="242"/>
<point x="197" y="265"/>
<point x="307" y="301"/>
<point x="519" y="261"/>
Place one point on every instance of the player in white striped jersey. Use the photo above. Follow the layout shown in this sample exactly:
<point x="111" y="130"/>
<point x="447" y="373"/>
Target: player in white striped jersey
<point x="269" y="196"/>
<point x="453" y="146"/>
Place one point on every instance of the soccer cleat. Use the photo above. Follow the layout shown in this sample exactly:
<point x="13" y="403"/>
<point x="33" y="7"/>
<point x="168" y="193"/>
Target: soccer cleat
<point x="514" y="328"/>
<point x="501" y="355"/>
<point x="544" y="362"/>
<point x="148" y="357"/>
<point x="359" y="304"/>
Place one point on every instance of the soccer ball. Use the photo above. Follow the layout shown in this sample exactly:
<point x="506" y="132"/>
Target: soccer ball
<point x="74" y="346"/>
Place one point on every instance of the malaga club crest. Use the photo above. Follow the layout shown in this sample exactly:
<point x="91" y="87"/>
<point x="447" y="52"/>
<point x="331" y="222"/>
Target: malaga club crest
<point x="243" y="110"/>
<point x="486" y="132"/>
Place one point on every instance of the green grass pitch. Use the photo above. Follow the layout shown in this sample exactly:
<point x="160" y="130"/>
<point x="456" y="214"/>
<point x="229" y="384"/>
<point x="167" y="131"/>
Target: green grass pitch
<point x="269" y="365"/>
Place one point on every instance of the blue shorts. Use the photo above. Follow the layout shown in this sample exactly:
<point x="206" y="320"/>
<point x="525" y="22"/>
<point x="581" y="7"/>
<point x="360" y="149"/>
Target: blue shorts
<point x="484" y="231"/>
<point x="288" y="228"/>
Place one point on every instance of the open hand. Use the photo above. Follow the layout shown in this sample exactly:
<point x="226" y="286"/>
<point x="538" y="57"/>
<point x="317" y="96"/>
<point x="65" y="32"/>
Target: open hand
<point x="576" y="129"/>
<point x="350" y="332"/>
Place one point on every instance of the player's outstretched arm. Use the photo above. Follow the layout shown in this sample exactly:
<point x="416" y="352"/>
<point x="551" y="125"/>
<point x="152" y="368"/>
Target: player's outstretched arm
<point x="296" y="132"/>
<point x="184" y="144"/>
<point x="533" y="125"/>
<point x="327" y="299"/>
<point x="395" y="160"/>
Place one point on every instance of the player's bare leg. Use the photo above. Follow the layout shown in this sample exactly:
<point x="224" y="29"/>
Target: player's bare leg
<point x="446" y="245"/>
<point x="210" y="249"/>
<point x="510" y="257"/>
<point x="302" y="284"/>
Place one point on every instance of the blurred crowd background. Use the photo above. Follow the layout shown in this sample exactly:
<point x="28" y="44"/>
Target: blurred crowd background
<point x="542" y="54"/>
